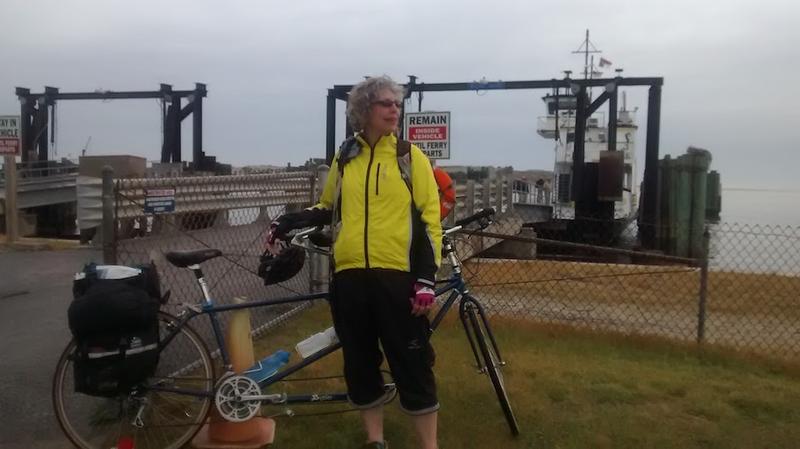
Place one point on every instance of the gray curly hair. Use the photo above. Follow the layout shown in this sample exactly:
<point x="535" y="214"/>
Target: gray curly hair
<point x="364" y="93"/>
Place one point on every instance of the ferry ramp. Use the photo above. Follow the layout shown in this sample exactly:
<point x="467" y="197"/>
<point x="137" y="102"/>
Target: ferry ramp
<point x="42" y="187"/>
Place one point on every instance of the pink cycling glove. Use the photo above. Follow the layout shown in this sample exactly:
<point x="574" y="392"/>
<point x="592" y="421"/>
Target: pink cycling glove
<point x="423" y="299"/>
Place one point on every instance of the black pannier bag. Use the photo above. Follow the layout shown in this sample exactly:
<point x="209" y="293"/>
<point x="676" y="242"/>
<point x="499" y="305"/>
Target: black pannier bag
<point x="114" y="320"/>
<point x="144" y="277"/>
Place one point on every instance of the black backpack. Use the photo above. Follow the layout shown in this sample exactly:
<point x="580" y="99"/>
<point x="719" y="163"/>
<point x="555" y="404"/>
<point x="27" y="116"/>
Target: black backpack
<point x="115" y="326"/>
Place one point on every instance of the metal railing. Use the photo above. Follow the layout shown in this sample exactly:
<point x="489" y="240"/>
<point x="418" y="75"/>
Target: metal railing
<point x="535" y="196"/>
<point x="42" y="175"/>
<point x="473" y="196"/>
<point x="212" y="193"/>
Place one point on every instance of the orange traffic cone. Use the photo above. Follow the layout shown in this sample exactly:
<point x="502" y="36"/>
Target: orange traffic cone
<point x="253" y="433"/>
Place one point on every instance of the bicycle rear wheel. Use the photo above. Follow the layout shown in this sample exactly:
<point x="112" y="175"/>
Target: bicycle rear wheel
<point x="491" y="363"/>
<point x="168" y="419"/>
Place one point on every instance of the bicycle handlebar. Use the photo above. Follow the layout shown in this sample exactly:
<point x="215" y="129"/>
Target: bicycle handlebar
<point x="318" y="241"/>
<point x="486" y="213"/>
<point x="304" y="233"/>
<point x="485" y="216"/>
<point x="311" y="239"/>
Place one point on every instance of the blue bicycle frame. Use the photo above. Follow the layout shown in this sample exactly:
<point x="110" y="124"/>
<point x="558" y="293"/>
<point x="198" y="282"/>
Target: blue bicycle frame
<point x="455" y="285"/>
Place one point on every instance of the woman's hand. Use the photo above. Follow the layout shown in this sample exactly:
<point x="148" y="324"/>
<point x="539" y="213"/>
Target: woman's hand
<point x="423" y="299"/>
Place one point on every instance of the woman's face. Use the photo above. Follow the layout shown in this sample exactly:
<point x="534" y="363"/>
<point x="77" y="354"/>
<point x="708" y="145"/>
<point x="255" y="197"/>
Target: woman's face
<point x="384" y="112"/>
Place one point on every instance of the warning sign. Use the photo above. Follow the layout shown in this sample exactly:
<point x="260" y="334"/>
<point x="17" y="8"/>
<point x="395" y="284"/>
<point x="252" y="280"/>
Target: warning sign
<point x="9" y="135"/>
<point x="430" y="131"/>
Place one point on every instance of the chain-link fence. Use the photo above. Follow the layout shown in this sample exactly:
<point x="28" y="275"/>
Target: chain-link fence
<point x="229" y="213"/>
<point x="587" y="274"/>
<point x="754" y="288"/>
<point x="591" y="274"/>
<point x="584" y="273"/>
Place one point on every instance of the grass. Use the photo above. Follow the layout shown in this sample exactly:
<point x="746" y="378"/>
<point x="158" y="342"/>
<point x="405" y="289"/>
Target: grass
<point x="569" y="390"/>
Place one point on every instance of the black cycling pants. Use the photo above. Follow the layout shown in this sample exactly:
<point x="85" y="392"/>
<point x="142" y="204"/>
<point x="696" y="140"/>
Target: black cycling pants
<point x="371" y="306"/>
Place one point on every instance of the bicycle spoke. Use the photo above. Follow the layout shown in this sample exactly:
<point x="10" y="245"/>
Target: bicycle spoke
<point x="169" y="418"/>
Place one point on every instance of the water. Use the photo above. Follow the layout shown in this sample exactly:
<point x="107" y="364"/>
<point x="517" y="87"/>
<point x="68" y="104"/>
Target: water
<point x="759" y="232"/>
<point x="763" y="207"/>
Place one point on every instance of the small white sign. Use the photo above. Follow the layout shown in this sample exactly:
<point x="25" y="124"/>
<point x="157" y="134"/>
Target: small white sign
<point x="9" y="135"/>
<point x="430" y="131"/>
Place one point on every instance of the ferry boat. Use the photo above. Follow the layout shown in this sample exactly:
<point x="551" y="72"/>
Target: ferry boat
<point x="608" y="197"/>
<point x="559" y="125"/>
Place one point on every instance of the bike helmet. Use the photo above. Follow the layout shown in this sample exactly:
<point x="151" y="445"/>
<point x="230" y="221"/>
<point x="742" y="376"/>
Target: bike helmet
<point x="281" y="267"/>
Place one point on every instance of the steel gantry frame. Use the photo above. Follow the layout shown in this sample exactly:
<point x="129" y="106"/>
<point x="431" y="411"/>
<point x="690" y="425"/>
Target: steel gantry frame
<point x="648" y="213"/>
<point x="37" y="112"/>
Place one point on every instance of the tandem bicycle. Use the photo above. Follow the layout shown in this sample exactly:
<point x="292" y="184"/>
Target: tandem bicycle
<point x="170" y="407"/>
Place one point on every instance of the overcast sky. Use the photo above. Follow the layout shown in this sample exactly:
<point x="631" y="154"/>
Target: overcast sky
<point x="730" y="71"/>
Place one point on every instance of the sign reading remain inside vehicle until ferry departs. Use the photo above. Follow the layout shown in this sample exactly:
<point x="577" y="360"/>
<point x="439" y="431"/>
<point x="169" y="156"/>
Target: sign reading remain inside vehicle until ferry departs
<point x="9" y="135"/>
<point x="430" y="131"/>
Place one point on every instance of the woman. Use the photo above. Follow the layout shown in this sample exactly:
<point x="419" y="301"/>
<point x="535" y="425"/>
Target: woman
<point x="387" y="248"/>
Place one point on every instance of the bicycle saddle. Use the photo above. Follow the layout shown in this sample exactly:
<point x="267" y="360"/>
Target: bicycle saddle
<point x="183" y="259"/>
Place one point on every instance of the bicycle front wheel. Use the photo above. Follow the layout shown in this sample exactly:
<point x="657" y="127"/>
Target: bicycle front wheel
<point x="152" y="418"/>
<point x="491" y="363"/>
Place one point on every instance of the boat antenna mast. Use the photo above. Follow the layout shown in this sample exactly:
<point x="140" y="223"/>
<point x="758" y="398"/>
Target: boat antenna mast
<point x="587" y="48"/>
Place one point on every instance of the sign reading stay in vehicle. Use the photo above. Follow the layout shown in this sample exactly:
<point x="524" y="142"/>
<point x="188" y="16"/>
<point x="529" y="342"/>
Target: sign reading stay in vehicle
<point x="430" y="131"/>
<point x="9" y="135"/>
<point x="159" y="201"/>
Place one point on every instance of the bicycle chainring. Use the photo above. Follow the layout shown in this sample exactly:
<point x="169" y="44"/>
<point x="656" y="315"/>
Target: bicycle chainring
<point x="229" y="402"/>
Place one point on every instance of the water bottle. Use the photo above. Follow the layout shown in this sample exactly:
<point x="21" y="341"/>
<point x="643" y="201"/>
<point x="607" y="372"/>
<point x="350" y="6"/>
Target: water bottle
<point x="266" y="368"/>
<point x="317" y="342"/>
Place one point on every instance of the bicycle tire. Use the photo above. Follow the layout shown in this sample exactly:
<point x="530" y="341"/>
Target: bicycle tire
<point x="491" y="362"/>
<point x="169" y="420"/>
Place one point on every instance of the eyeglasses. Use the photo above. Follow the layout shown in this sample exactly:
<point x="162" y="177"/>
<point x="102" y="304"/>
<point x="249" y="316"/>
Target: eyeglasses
<point x="389" y="103"/>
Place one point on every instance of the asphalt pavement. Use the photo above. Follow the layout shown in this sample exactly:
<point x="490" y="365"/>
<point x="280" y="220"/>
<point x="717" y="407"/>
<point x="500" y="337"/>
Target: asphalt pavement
<point x="35" y="291"/>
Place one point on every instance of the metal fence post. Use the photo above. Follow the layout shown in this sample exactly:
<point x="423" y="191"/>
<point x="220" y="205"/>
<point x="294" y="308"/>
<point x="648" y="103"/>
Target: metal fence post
<point x="109" y="220"/>
<point x="701" y="313"/>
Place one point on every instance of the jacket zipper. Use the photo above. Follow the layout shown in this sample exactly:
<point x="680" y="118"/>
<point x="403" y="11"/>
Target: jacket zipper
<point x="377" y="179"/>
<point x="366" y="207"/>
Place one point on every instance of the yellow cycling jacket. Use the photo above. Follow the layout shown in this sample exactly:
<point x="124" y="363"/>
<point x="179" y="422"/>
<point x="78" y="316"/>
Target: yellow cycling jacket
<point x="376" y="218"/>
